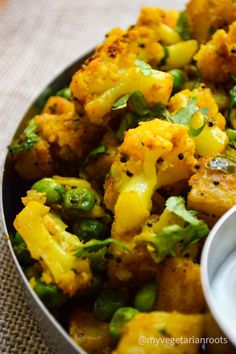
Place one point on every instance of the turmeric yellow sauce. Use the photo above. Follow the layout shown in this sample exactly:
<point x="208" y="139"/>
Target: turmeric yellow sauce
<point x="130" y="167"/>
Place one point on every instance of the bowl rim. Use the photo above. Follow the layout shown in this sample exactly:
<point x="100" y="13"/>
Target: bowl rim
<point x="64" y="75"/>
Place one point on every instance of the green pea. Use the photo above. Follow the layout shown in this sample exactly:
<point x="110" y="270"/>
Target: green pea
<point x="120" y="317"/>
<point x="106" y="304"/>
<point x="21" y="251"/>
<point x="50" y="294"/>
<point x="79" y="199"/>
<point x="87" y="229"/>
<point x="146" y="297"/>
<point x="179" y="78"/>
<point x="54" y="191"/>
<point x="65" y="93"/>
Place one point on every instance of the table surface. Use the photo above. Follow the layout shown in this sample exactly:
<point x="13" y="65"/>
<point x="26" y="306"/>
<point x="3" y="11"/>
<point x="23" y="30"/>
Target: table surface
<point x="38" y="39"/>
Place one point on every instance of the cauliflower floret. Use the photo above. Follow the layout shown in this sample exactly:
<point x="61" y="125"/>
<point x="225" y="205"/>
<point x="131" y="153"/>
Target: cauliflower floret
<point x="179" y="286"/>
<point x="155" y="154"/>
<point x="162" y="22"/>
<point x="160" y="329"/>
<point x="58" y="105"/>
<point x="103" y="80"/>
<point x="112" y="71"/>
<point x="48" y="242"/>
<point x="35" y="163"/>
<point x="67" y="133"/>
<point x="206" y="16"/>
<point x="52" y="141"/>
<point x="217" y="58"/>
<point x="154" y="16"/>
<point x="212" y="140"/>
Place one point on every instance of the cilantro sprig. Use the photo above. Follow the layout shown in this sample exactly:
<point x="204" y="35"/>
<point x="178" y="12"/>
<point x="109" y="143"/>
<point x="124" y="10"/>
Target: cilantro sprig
<point x="99" y="150"/>
<point x="30" y="138"/>
<point x="174" y="236"/>
<point x="140" y="111"/>
<point x="94" y="246"/>
<point x="184" y="116"/>
<point x="144" y="68"/>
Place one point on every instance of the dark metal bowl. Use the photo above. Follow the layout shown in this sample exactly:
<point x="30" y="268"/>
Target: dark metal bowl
<point x="13" y="187"/>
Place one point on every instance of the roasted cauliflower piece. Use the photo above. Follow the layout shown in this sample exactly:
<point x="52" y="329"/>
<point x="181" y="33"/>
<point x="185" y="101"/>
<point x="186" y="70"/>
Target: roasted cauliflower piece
<point x="107" y="77"/>
<point x="56" y="143"/>
<point x="49" y="243"/>
<point x="217" y="58"/>
<point x="35" y="163"/>
<point x="212" y="140"/>
<point x="179" y="286"/>
<point x="159" y="332"/>
<point x="92" y="335"/>
<point x="149" y="158"/>
<point x="213" y="191"/>
<point x="206" y="16"/>
<point x="69" y="136"/>
<point x="112" y="71"/>
<point x="58" y="105"/>
<point x="153" y="17"/>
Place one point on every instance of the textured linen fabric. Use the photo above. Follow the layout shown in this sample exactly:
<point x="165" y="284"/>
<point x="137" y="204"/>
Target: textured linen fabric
<point x="38" y="39"/>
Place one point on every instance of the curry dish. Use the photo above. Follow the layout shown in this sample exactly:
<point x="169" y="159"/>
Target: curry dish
<point x="129" y="168"/>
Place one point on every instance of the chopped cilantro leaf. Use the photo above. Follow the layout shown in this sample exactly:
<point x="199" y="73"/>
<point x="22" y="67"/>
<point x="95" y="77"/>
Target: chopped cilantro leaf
<point x="177" y="206"/>
<point x="100" y="150"/>
<point x="140" y="112"/>
<point x="96" y="245"/>
<point x="121" y="103"/>
<point x="174" y="236"/>
<point x="185" y="115"/>
<point x="30" y="138"/>
<point x="143" y="67"/>
<point x="127" y="122"/>
<point x="139" y="104"/>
